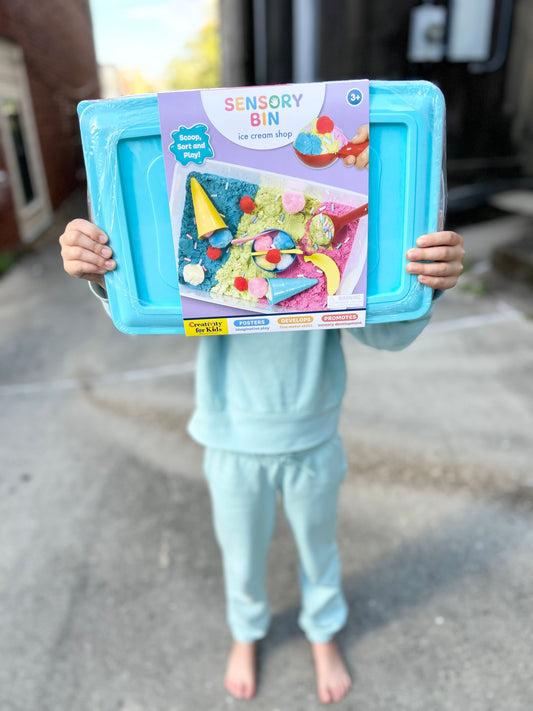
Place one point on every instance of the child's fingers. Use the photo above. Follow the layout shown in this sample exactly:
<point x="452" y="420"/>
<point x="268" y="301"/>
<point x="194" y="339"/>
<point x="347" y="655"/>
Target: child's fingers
<point x="438" y="282"/>
<point x="78" y="241"/>
<point x="81" y="269"/>
<point x="437" y="260"/>
<point x="434" y="239"/>
<point x="441" y="253"/>
<point x="445" y="239"/>
<point x="88" y="229"/>
<point x="440" y="269"/>
<point x="84" y="234"/>
<point x="362" y="134"/>
<point x="88" y="237"/>
<point x="81" y="254"/>
<point x="362" y="159"/>
<point x="438" y="247"/>
<point x="74" y="256"/>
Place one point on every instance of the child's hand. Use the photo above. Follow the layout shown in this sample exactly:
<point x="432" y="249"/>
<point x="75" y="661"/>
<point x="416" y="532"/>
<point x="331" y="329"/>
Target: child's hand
<point x="445" y="250"/>
<point x="360" y="161"/>
<point x="85" y="252"/>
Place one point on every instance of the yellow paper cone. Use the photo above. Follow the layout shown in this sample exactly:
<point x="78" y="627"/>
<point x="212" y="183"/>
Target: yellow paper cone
<point x="207" y="218"/>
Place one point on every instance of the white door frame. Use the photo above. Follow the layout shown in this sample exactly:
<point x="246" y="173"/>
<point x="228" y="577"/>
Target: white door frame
<point x="35" y="215"/>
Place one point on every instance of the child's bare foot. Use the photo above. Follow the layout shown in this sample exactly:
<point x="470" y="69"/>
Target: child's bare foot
<point x="332" y="678"/>
<point x="240" y="672"/>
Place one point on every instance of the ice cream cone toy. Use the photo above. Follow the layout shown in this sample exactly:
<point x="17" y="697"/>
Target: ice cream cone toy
<point x="280" y="289"/>
<point x="325" y="226"/>
<point x="209" y="222"/>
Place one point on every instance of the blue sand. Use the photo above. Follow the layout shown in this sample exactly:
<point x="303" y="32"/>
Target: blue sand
<point x="308" y="144"/>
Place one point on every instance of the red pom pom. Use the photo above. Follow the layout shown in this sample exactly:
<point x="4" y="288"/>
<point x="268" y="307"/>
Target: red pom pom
<point x="324" y="124"/>
<point x="273" y="256"/>
<point x="240" y="283"/>
<point x="247" y="204"/>
<point x="214" y="252"/>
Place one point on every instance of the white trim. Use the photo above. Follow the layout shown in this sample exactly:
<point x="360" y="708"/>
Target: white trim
<point x="33" y="217"/>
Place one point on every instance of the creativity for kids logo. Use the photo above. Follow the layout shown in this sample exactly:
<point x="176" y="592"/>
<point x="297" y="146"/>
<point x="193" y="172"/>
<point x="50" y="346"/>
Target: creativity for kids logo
<point x="191" y="145"/>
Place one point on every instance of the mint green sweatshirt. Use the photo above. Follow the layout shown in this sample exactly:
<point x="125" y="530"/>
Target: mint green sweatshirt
<point x="274" y="393"/>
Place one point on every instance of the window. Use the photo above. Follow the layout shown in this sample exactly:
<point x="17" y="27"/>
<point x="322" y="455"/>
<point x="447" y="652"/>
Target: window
<point x="12" y="113"/>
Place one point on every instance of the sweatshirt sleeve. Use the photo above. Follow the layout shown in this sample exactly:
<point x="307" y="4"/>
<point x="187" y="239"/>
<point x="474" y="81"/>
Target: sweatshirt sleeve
<point x="394" y="336"/>
<point x="101" y="293"/>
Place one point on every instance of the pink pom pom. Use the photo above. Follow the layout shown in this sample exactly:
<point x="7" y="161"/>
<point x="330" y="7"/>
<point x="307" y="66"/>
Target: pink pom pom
<point x="257" y="287"/>
<point x="293" y="201"/>
<point x="262" y="243"/>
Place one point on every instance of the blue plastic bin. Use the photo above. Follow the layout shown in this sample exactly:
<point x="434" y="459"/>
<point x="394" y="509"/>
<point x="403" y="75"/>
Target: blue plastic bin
<point x="126" y="178"/>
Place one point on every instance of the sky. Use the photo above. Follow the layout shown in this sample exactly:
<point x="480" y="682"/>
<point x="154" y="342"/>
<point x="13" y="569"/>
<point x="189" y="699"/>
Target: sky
<point x="144" y="34"/>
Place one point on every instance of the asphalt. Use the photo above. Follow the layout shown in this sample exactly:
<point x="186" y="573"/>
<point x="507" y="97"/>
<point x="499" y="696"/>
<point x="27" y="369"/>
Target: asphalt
<point x="111" y="595"/>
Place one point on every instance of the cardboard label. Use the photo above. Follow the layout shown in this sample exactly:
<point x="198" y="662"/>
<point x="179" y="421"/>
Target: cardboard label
<point x="269" y="222"/>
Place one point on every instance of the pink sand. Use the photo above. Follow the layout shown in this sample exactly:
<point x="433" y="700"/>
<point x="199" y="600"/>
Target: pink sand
<point x="315" y="298"/>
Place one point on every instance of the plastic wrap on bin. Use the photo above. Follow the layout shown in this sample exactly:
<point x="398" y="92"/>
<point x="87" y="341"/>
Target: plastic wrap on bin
<point x="127" y="186"/>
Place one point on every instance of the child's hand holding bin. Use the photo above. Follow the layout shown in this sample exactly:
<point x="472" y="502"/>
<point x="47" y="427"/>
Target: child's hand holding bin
<point x="437" y="259"/>
<point x="85" y="252"/>
<point x="360" y="161"/>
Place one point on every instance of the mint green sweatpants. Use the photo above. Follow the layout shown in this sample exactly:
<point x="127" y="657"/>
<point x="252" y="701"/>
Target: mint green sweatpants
<point x="244" y="490"/>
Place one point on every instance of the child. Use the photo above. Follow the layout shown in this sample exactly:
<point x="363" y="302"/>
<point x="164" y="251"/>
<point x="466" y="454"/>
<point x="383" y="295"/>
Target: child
<point x="267" y="410"/>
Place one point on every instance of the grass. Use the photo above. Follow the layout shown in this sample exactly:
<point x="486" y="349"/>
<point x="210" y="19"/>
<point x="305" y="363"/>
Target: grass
<point x="475" y="288"/>
<point x="7" y="259"/>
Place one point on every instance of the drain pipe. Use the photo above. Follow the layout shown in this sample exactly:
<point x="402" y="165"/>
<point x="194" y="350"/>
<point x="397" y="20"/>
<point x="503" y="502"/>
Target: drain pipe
<point x="503" y="39"/>
<point x="260" y="41"/>
<point x="305" y="40"/>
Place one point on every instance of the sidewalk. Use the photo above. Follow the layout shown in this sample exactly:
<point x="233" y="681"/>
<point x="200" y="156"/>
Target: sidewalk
<point x="111" y="593"/>
<point x="515" y="260"/>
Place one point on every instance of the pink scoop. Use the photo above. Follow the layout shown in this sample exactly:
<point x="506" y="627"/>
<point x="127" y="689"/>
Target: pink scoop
<point x="340" y="221"/>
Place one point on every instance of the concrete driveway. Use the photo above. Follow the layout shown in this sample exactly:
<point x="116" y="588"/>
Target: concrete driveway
<point x="111" y="594"/>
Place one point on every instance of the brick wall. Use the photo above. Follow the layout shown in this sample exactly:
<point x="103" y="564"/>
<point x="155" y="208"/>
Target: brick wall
<point x="57" y="41"/>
